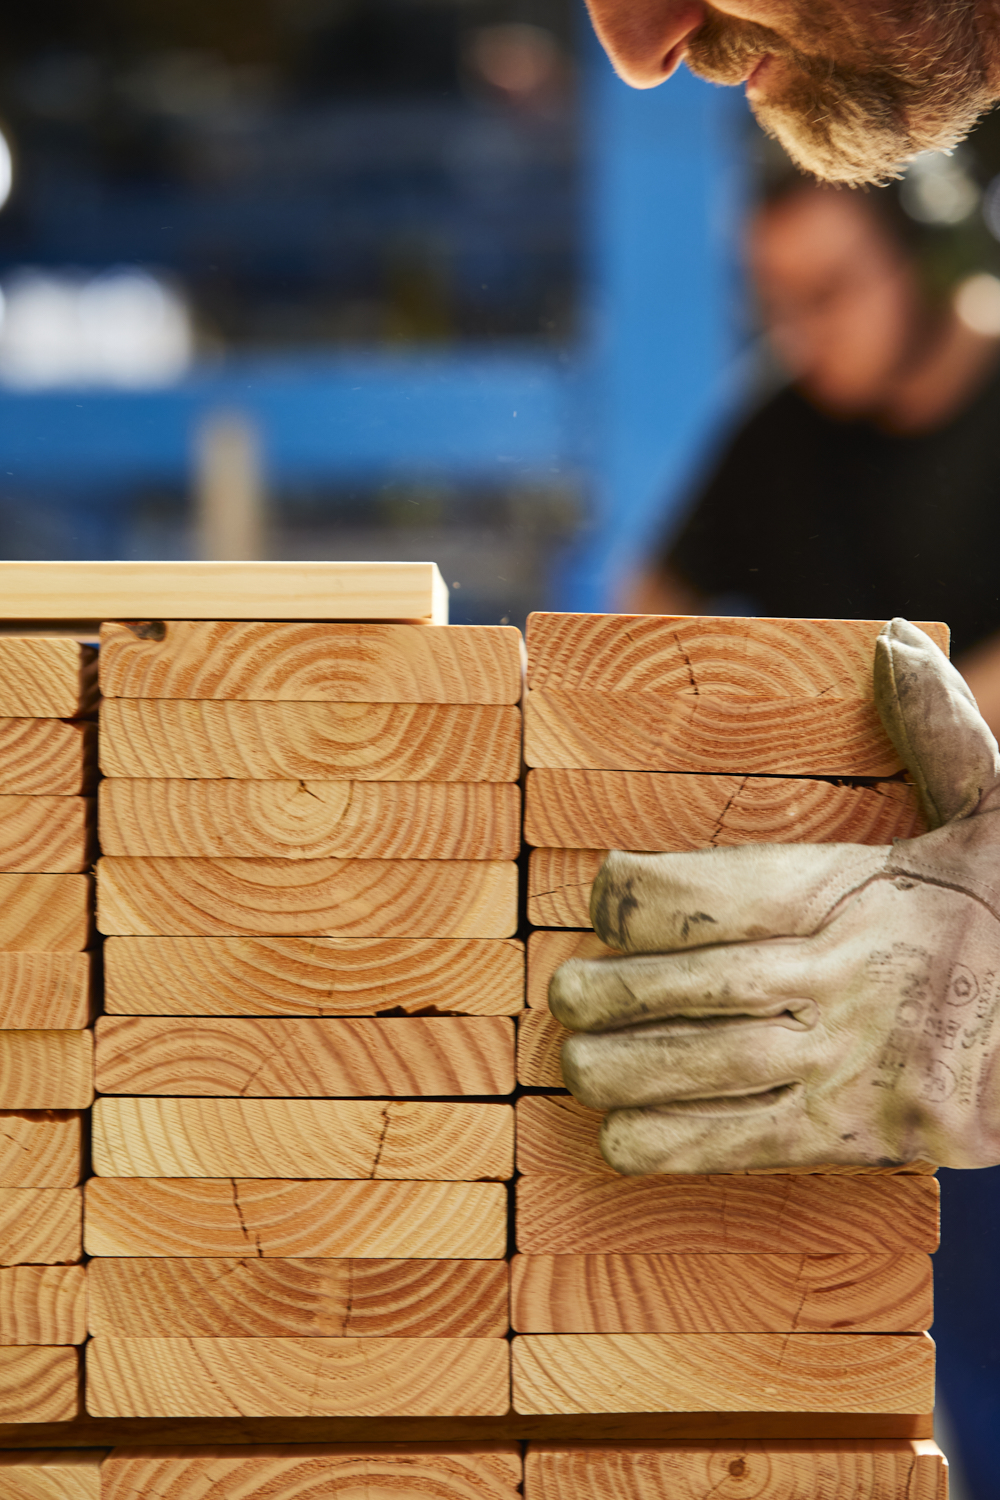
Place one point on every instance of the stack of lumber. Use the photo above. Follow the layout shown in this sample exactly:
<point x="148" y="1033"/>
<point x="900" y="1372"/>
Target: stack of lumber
<point x="309" y="890"/>
<point x="746" y="1293"/>
<point x="48" y="688"/>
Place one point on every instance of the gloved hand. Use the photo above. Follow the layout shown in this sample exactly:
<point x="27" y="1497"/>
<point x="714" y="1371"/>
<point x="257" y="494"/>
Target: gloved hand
<point x="804" y="1005"/>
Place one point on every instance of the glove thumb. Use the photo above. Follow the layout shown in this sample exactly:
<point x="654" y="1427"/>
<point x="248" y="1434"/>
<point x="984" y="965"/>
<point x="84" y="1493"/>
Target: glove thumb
<point x="932" y="720"/>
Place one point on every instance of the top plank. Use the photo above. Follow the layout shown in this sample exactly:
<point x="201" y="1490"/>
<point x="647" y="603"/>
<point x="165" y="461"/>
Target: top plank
<point x="310" y="663"/>
<point x="754" y="660"/>
<point x="94" y="591"/>
<point x="46" y="677"/>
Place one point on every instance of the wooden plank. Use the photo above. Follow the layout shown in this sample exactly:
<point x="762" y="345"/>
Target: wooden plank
<point x="308" y="1058"/>
<point x="546" y="951"/>
<point x="237" y="1216"/>
<point x="97" y="591"/>
<point x="51" y="1474"/>
<point x="539" y="1044"/>
<point x="41" y="1226"/>
<point x="597" y="1372"/>
<point x="46" y="757"/>
<point x="371" y="1138"/>
<point x="41" y="1148"/>
<point x="297" y="1377"/>
<point x="46" y="677"/>
<point x="310" y="741"/>
<point x="50" y="913"/>
<point x="649" y="812"/>
<point x="175" y="976"/>
<point x="820" y="1214"/>
<point x="43" y="1305"/>
<point x="395" y="898"/>
<point x="48" y="835"/>
<point x="46" y="1069"/>
<point x="311" y="820"/>
<point x="148" y="1298"/>
<point x="614" y="731"/>
<point x="46" y="991"/>
<point x="689" y="1293"/>
<point x="559" y="886"/>
<point x="749" y="658"/>
<point x="864" y="1469"/>
<point x="39" y="1385"/>
<point x="310" y="663"/>
<point x="300" y="1469"/>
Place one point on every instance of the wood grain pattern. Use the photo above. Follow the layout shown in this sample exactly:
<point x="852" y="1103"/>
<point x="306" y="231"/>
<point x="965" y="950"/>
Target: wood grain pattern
<point x="46" y="834"/>
<point x="860" y="1470"/>
<point x="46" y="677"/>
<point x="297" y="1377"/>
<point x="395" y="898"/>
<point x="310" y="820"/>
<point x="49" y="913"/>
<point x="45" y="991"/>
<point x="614" y="731"/>
<point x="813" y="1215"/>
<point x="43" y="1305"/>
<point x="41" y="1148"/>
<point x="649" y="812"/>
<point x="176" y="976"/>
<point x="547" y="950"/>
<point x="51" y="1474"/>
<point x="320" y="663"/>
<point x="559" y="886"/>
<point x="46" y="1069"/>
<point x="241" y="1216"/>
<point x="309" y="1058"/>
<point x="148" y="1298"/>
<point x="303" y="1471"/>
<point x="370" y="1138"/>
<point x="539" y="1045"/>
<point x="41" y="1226"/>
<point x="39" y="1385"/>
<point x="598" y="1372"/>
<point x="311" y="741"/>
<point x="40" y="757"/>
<point x="744" y="658"/>
<point x="847" y="1293"/>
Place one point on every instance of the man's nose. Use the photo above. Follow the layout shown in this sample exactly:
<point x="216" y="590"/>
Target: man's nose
<point x="645" y="39"/>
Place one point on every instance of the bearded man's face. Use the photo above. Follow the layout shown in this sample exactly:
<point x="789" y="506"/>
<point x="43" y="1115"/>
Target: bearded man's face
<point x="851" y="88"/>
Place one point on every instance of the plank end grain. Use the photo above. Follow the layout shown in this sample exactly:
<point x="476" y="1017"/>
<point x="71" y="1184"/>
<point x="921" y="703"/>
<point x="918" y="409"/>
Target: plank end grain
<point x="46" y="1070"/>
<point x="46" y="991"/>
<point x="41" y="1148"/>
<point x="43" y="1305"/>
<point x="51" y="1474"/>
<point x="41" y="1226"/>
<point x="47" y="757"/>
<point x="40" y="1385"/>
<point x="48" y="913"/>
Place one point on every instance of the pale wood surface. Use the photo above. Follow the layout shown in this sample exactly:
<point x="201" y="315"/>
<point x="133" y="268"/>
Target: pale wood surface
<point x="305" y="1057"/>
<point x="608" y="731"/>
<point x="689" y="1293"/>
<point x="726" y="1215"/>
<point x="51" y="1474"/>
<point x="176" y="976"/>
<point x="744" y="658"/>
<point x="539" y="1044"/>
<point x="41" y="1148"/>
<point x="302" y="663"/>
<point x="308" y="1471"/>
<point x="310" y="820"/>
<point x="46" y="677"/>
<point x="547" y="950"/>
<point x="40" y="757"/>
<point x="50" y="913"/>
<point x="43" y="1305"/>
<point x="297" y="1377"/>
<point x="45" y="991"/>
<point x="41" y="1226"/>
<point x="396" y="898"/>
<point x="559" y="886"/>
<point x="412" y="591"/>
<point x="245" y="1298"/>
<point x="859" y="1470"/>
<point x="39" y="1385"/>
<point x="651" y="812"/>
<point x="310" y="741"/>
<point x="245" y="1216"/>
<point x="49" y="835"/>
<point x="346" y="1138"/>
<point x="596" y="1372"/>
<point x="46" y="1069"/>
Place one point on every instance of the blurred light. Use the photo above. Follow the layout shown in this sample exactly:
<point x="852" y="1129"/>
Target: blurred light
<point x="121" y="328"/>
<point x="515" y="58"/>
<point x="6" y="169"/>
<point x="977" y="302"/>
<point x="937" y="189"/>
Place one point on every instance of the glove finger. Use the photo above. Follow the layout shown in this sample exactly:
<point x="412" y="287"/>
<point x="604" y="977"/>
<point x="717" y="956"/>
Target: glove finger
<point x="770" y="1132"/>
<point x="695" y="1060"/>
<point x="655" y="903"/>
<point x="932" y="720"/>
<point x="746" y="979"/>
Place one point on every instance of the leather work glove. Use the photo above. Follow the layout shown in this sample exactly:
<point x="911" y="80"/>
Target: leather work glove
<point x="815" y="1004"/>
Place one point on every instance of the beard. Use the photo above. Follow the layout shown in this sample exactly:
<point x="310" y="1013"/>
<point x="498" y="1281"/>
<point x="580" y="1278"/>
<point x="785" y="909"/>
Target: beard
<point x="922" y="89"/>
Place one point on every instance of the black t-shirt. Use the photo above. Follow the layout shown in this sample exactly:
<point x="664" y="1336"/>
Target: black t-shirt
<point x="806" y="516"/>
